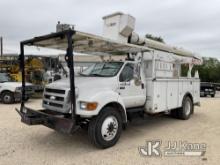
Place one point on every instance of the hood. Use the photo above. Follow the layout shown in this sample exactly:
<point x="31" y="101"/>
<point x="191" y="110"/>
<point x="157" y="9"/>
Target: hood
<point x="15" y="84"/>
<point x="85" y="82"/>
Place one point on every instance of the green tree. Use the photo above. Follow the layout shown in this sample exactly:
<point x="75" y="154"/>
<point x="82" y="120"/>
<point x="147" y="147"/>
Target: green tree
<point x="209" y="71"/>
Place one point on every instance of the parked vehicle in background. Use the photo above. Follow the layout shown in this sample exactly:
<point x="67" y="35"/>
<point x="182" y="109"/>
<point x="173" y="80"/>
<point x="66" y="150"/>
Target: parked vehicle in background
<point x="10" y="90"/>
<point x="217" y="86"/>
<point x="207" y="88"/>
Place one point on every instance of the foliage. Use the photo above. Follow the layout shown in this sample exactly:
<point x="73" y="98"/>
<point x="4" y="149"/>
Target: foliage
<point x="209" y="71"/>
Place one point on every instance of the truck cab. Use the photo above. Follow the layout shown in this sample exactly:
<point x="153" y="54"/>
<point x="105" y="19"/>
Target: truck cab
<point x="101" y="84"/>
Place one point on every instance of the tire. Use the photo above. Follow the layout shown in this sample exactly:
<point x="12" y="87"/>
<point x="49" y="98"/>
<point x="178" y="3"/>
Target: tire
<point x="212" y="95"/>
<point x="7" y="97"/>
<point x="187" y="109"/>
<point x="98" y="130"/>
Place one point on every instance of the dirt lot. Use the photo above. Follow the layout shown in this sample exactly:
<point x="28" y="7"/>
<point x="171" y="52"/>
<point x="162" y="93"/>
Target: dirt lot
<point x="21" y="144"/>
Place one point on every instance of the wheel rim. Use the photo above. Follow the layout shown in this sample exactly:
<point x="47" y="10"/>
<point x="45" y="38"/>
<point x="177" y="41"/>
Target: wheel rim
<point x="7" y="98"/>
<point x="109" y="128"/>
<point x="187" y="107"/>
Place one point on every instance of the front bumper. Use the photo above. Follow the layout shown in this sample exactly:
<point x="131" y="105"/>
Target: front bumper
<point x="50" y="119"/>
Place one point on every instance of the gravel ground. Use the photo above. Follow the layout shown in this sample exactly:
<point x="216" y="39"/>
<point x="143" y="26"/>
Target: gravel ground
<point x="21" y="144"/>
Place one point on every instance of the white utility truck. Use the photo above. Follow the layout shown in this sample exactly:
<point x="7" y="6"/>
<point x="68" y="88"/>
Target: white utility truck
<point x="10" y="91"/>
<point x="104" y="96"/>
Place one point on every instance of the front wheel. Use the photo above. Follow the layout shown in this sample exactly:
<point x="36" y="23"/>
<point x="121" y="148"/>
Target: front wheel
<point x="105" y="129"/>
<point x="7" y="97"/>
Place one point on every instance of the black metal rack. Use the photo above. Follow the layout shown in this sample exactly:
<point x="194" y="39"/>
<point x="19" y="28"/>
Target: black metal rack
<point x="66" y="123"/>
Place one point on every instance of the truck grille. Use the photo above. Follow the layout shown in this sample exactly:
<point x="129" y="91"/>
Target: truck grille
<point x="56" y="99"/>
<point x="55" y="91"/>
<point x="53" y="104"/>
<point x="29" y="88"/>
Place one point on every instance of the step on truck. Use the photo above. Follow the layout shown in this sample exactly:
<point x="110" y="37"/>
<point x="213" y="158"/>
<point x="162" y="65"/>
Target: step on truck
<point x="104" y="96"/>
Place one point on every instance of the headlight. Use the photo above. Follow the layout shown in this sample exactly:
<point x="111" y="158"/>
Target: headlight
<point x="90" y="106"/>
<point x="83" y="105"/>
<point x="18" y="89"/>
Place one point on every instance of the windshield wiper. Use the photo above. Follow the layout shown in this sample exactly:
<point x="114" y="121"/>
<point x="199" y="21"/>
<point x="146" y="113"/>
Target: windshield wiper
<point x="98" y="75"/>
<point x="95" y="74"/>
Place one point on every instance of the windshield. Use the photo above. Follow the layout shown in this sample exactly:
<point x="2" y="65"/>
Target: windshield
<point x="106" y="69"/>
<point x="5" y="77"/>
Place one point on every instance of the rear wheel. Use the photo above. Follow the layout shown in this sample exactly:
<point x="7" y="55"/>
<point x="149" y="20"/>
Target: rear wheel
<point x="7" y="97"/>
<point x="212" y="95"/>
<point x="105" y="129"/>
<point x="187" y="109"/>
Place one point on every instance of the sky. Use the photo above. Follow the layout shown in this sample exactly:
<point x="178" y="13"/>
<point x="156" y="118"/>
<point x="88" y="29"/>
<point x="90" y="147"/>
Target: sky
<point x="190" y="24"/>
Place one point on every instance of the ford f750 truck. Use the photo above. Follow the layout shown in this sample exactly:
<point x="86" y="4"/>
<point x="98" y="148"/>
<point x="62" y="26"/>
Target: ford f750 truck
<point x="106" y="94"/>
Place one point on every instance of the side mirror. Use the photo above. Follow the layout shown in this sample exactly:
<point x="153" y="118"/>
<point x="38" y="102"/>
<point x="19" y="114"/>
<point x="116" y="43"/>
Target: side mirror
<point x="137" y="74"/>
<point x="121" y="78"/>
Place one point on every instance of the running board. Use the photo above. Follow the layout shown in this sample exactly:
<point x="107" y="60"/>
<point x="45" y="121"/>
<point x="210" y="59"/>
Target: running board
<point x="135" y="109"/>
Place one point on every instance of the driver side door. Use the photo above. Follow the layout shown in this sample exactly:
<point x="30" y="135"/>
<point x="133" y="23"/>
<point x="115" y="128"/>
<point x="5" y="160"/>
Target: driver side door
<point x="133" y="94"/>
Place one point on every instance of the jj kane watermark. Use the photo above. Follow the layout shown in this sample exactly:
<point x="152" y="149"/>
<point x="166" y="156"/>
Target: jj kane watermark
<point x="154" y="148"/>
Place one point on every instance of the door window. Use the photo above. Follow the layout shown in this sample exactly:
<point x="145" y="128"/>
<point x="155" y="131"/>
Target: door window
<point x="127" y="73"/>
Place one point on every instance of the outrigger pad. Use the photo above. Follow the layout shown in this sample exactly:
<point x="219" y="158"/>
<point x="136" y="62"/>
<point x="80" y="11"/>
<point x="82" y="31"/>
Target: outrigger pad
<point x="49" y="119"/>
